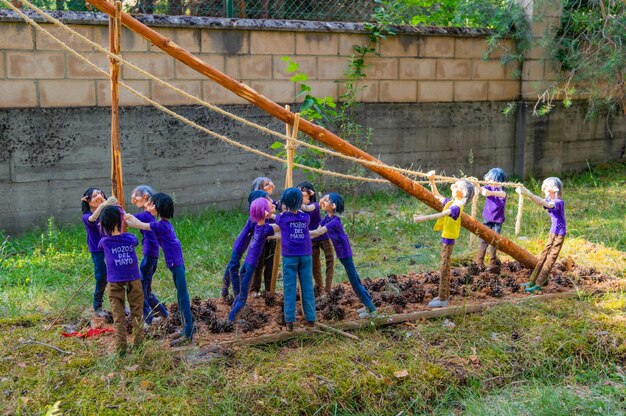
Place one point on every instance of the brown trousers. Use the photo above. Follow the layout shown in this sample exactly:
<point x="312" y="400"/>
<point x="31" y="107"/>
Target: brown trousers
<point x="547" y="259"/>
<point x="329" y="255"/>
<point x="118" y="292"/>
<point x="264" y="268"/>
<point x="444" y="271"/>
<point x="484" y="249"/>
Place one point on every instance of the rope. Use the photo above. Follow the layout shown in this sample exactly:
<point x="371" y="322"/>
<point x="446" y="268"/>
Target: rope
<point x="185" y="120"/>
<point x="474" y="210"/>
<point x="219" y="110"/>
<point x="518" y="219"/>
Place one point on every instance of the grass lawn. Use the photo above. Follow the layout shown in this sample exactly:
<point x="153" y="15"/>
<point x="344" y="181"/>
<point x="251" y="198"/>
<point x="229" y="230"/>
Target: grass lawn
<point x="564" y="357"/>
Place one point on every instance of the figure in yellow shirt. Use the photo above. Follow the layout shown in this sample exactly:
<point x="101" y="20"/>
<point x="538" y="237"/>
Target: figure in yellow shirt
<point x="449" y="223"/>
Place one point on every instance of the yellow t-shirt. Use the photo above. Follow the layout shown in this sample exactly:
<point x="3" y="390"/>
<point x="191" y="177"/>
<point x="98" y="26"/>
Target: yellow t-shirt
<point x="449" y="228"/>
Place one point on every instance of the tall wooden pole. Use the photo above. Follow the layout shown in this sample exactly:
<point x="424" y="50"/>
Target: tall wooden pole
<point x="314" y="131"/>
<point x="115" y="31"/>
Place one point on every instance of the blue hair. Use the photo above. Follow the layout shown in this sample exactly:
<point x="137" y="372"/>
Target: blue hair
<point x="496" y="175"/>
<point x="142" y="190"/>
<point x="336" y="199"/>
<point x="256" y="195"/>
<point x="292" y="199"/>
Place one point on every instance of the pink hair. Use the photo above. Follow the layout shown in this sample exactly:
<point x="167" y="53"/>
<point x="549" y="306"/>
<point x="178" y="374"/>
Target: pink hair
<point x="258" y="208"/>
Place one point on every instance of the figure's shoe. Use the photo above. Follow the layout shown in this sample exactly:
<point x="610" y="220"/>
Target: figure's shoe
<point x="436" y="303"/>
<point x="366" y="314"/>
<point x="360" y="311"/>
<point x="289" y="326"/>
<point x="101" y="313"/>
<point x="181" y="342"/>
<point x="527" y="284"/>
<point x="533" y="289"/>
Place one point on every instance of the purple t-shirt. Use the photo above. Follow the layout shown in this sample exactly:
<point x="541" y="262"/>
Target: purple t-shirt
<point x="494" y="206"/>
<point x="316" y="218"/>
<point x="261" y="232"/>
<point x="454" y="214"/>
<point x="93" y="233"/>
<point x="338" y="236"/>
<point x="557" y="217"/>
<point x="243" y="239"/>
<point x="149" y="240"/>
<point x="120" y="257"/>
<point x="294" y="233"/>
<point x="170" y="244"/>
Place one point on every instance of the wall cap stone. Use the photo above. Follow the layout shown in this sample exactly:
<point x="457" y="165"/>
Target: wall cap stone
<point x="97" y="18"/>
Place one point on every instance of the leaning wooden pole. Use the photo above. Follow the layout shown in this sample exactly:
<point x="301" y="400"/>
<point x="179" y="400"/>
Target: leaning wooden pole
<point x="314" y="131"/>
<point x="115" y="30"/>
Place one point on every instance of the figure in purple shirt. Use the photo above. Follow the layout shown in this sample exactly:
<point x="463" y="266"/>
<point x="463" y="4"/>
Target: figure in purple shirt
<point x="92" y="203"/>
<point x="263" y="270"/>
<point x="122" y="275"/>
<point x="151" y="306"/>
<point x="261" y="210"/>
<point x="162" y="205"/>
<point x="296" y="248"/>
<point x="332" y="226"/>
<point x="449" y="223"/>
<point x="493" y="212"/>
<point x="239" y="247"/>
<point x="312" y="208"/>
<point x="553" y="190"/>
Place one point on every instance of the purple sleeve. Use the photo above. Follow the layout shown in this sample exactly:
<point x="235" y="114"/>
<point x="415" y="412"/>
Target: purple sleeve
<point x="133" y="239"/>
<point x="100" y="246"/>
<point x="455" y="211"/>
<point x="154" y="227"/>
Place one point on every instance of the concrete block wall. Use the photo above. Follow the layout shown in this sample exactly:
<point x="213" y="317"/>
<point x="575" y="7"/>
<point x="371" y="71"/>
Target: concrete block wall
<point x="36" y="72"/>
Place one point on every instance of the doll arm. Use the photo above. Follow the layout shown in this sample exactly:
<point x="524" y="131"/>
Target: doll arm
<point x="133" y="222"/>
<point x="423" y="218"/>
<point x="276" y="229"/>
<point x="433" y="186"/>
<point x="307" y="207"/>
<point x="534" y="198"/>
<point x="111" y="201"/>
<point x="318" y="231"/>
<point x="487" y="192"/>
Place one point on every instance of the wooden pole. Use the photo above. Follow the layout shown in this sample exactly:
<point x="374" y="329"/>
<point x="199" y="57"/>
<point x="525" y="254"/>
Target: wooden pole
<point x="291" y="150"/>
<point x="314" y="131"/>
<point x="115" y="31"/>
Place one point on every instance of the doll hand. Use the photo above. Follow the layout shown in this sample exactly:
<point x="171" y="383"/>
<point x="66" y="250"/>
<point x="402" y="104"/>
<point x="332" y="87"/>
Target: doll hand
<point x="110" y="201"/>
<point x="130" y="219"/>
<point x="522" y="190"/>
<point x="430" y="175"/>
<point x="418" y="218"/>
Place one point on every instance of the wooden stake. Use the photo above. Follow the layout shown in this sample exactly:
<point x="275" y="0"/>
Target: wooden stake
<point x="115" y="31"/>
<point x="389" y="320"/>
<point x="314" y="131"/>
<point x="291" y="150"/>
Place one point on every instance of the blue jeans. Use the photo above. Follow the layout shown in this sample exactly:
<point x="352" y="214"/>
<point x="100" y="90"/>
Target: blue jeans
<point x="150" y="301"/>
<point x="357" y="286"/>
<point x="231" y="273"/>
<point x="242" y="289"/>
<point x="495" y="226"/>
<point x="302" y="267"/>
<point x="184" y="306"/>
<point x="100" y="273"/>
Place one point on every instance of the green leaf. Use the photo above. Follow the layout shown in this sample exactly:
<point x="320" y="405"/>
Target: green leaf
<point x="299" y="78"/>
<point x="277" y="145"/>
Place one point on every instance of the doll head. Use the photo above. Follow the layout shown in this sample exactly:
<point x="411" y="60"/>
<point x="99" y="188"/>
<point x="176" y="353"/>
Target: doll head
<point x="92" y="198"/>
<point x="256" y="195"/>
<point x="141" y="195"/>
<point x="263" y="184"/>
<point x="110" y="220"/>
<point x="495" y="175"/>
<point x="161" y="204"/>
<point x="259" y="209"/>
<point x="292" y="199"/>
<point x="332" y="203"/>
<point x="463" y="191"/>
<point x="552" y="187"/>
<point x="308" y="189"/>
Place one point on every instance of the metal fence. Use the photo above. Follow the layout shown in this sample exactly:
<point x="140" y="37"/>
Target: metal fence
<point x="320" y="10"/>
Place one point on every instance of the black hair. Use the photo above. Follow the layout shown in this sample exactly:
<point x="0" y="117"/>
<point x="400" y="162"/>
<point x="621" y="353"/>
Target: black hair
<point x="164" y="205"/>
<point x="87" y="197"/>
<point x="308" y="188"/>
<point x="292" y="198"/>
<point x="336" y="199"/>
<point x="110" y="218"/>
<point x="256" y="195"/>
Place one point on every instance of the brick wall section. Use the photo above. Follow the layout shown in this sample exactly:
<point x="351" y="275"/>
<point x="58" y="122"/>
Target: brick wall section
<point x="36" y="72"/>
